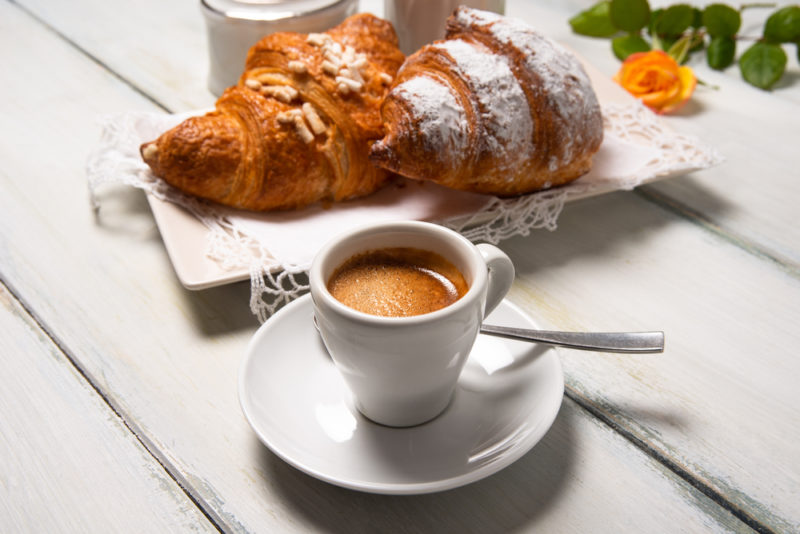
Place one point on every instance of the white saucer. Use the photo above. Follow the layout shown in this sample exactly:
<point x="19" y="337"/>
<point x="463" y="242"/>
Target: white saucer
<point x="299" y="406"/>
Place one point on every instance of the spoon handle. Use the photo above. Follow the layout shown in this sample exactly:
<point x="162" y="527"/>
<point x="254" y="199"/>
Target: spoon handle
<point x="622" y="342"/>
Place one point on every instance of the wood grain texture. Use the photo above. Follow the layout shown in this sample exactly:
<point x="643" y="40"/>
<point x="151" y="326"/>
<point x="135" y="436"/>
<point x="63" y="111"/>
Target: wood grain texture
<point x="720" y="402"/>
<point x="69" y="463"/>
<point x="162" y="49"/>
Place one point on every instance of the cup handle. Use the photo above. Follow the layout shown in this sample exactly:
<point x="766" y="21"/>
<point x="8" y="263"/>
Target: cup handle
<point x="501" y="275"/>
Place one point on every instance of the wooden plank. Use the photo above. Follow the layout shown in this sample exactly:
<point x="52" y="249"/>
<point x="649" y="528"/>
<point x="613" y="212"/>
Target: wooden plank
<point x="722" y="401"/>
<point x="82" y="442"/>
<point x="105" y="291"/>
<point x="161" y="47"/>
<point x="69" y="462"/>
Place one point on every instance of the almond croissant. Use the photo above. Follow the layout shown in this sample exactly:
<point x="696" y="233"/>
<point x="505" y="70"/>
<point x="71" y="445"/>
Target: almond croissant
<point x="297" y="127"/>
<point x="494" y="108"/>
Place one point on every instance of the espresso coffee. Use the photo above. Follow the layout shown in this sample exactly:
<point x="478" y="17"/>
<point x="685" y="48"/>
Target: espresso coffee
<point x="397" y="282"/>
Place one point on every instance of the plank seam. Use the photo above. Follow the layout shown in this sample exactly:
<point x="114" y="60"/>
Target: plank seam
<point x="682" y="472"/>
<point x="683" y="211"/>
<point x="647" y="193"/>
<point x="172" y="471"/>
<point x="90" y="56"/>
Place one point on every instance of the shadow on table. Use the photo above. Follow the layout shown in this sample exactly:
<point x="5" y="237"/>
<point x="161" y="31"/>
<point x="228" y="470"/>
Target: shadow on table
<point x="789" y="80"/>
<point x="607" y="227"/>
<point x="226" y="309"/>
<point x="688" y="196"/>
<point x="506" y="501"/>
<point x="221" y="310"/>
<point x="690" y="109"/>
<point x="579" y="234"/>
<point x="126" y="212"/>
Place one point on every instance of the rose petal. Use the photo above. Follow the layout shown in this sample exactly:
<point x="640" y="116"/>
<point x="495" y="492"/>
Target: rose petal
<point x="657" y="80"/>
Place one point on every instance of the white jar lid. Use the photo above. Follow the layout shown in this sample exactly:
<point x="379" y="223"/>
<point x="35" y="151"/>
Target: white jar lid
<point x="270" y="10"/>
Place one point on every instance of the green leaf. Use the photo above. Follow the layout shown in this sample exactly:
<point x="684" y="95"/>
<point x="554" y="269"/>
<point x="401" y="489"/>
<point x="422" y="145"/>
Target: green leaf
<point x="679" y="51"/>
<point x="630" y="15"/>
<point x="721" y="52"/>
<point x="721" y="20"/>
<point x="763" y="64"/>
<point x="783" y="26"/>
<point x="674" y="20"/>
<point x="654" y="16"/>
<point x="594" y="22"/>
<point x="697" y="18"/>
<point x="627" y="45"/>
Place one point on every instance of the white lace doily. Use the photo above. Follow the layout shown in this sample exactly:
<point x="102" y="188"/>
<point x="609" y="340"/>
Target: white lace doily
<point x="277" y="249"/>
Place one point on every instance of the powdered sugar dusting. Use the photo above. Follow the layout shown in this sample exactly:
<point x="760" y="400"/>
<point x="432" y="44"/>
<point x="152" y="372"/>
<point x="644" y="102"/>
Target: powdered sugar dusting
<point x="505" y="115"/>
<point x="564" y="82"/>
<point x="443" y="124"/>
<point x="468" y="17"/>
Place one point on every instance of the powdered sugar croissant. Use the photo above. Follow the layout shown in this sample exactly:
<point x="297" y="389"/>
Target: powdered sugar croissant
<point x="494" y="108"/>
<point x="297" y="127"/>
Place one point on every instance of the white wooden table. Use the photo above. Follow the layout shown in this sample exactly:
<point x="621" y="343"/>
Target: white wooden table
<point x="118" y="405"/>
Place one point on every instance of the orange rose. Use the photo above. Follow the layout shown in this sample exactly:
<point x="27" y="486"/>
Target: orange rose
<point x="656" y="79"/>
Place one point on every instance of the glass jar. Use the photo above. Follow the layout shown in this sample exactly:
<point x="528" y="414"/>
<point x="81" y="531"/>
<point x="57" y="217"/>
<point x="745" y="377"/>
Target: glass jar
<point x="234" y="26"/>
<point x="420" y="22"/>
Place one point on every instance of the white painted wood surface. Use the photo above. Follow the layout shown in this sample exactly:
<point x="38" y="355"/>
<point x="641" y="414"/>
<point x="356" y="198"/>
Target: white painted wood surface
<point x="69" y="463"/>
<point x="719" y="407"/>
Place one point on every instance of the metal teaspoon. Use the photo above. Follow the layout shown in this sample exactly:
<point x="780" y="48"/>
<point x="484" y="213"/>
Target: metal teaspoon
<point x="620" y="342"/>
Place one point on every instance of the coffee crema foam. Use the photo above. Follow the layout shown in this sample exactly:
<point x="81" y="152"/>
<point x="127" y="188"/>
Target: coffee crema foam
<point x="397" y="282"/>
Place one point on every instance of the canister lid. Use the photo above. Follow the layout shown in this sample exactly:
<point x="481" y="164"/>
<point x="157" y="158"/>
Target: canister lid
<point x="267" y="10"/>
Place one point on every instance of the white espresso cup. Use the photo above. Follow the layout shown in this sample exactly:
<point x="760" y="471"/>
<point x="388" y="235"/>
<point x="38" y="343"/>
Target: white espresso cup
<point x="403" y="370"/>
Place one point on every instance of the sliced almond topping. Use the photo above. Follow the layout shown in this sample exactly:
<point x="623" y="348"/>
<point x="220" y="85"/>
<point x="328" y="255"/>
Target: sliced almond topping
<point x="353" y="74"/>
<point x="313" y="118"/>
<point x="271" y="78"/>
<point x="150" y="151"/>
<point x="252" y="84"/>
<point x="349" y="82"/>
<point x="284" y="93"/>
<point x="330" y="68"/>
<point x="344" y="63"/>
<point x="298" y="67"/>
<point x="287" y="117"/>
<point x="385" y="78"/>
<point x="291" y="91"/>
<point x="318" y="39"/>
<point x="331" y="56"/>
<point x="275" y="91"/>
<point x="359" y="63"/>
<point x="302" y="130"/>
